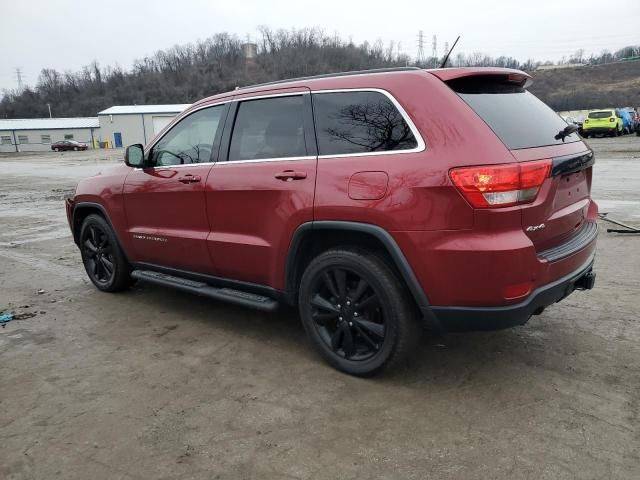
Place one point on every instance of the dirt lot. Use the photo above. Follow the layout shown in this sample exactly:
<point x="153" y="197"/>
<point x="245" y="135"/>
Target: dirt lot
<point x="154" y="383"/>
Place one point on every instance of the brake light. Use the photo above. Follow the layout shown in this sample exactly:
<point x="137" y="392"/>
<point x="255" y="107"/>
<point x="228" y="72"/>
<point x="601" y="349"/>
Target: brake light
<point x="586" y="120"/>
<point x="492" y="186"/>
<point x="611" y="119"/>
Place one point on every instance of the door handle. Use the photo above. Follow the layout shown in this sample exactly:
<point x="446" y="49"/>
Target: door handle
<point x="289" y="175"/>
<point x="189" y="178"/>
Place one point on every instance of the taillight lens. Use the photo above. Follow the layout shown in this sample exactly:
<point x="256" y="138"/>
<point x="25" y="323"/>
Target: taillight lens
<point x="611" y="119"/>
<point x="492" y="186"/>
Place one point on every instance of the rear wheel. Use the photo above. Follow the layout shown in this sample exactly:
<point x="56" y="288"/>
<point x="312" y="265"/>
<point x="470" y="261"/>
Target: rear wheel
<point x="102" y="257"/>
<point x="75" y="149"/>
<point x="56" y="149"/>
<point x="585" y="135"/>
<point x="356" y="312"/>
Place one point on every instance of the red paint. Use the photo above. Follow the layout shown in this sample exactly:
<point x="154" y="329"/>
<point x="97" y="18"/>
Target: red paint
<point x="239" y="219"/>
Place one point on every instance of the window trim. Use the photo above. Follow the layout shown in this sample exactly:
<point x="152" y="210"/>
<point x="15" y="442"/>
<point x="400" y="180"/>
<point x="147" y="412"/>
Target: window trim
<point x="420" y="147"/>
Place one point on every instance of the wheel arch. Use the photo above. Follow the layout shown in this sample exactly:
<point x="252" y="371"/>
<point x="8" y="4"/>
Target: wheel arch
<point x="82" y="210"/>
<point x="313" y="238"/>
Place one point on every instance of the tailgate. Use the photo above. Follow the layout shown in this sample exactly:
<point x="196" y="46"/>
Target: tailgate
<point x="563" y="201"/>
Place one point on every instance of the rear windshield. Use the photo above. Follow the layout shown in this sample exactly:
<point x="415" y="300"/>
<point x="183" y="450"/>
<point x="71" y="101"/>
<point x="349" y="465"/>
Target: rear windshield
<point x="600" y="114"/>
<point x="516" y="116"/>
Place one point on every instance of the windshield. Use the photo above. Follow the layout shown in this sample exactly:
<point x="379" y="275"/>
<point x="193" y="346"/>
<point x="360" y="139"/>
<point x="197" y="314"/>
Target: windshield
<point x="606" y="114"/>
<point x="515" y="115"/>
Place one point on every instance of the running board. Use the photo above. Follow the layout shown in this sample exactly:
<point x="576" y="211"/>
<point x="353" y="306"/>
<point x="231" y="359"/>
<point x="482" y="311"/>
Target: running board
<point x="229" y="295"/>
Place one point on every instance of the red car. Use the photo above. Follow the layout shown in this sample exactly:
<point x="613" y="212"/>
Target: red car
<point x="377" y="202"/>
<point x="68" y="145"/>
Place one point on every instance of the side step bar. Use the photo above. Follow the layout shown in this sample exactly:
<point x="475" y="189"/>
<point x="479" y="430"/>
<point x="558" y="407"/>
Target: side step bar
<point x="200" y="288"/>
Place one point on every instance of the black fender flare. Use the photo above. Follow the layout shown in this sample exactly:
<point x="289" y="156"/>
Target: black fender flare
<point x="105" y="214"/>
<point x="389" y="243"/>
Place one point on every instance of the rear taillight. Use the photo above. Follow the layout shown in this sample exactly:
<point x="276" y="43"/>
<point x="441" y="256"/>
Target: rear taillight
<point x="586" y="120"/>
<point x="611" y="119"/>
<point x="492" y="186"/>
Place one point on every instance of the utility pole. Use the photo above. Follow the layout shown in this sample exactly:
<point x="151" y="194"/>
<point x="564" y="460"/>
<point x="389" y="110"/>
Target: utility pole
<point x="19" y="78"/>
<point x="49" y="105"/>
<point x="420" y="57"/>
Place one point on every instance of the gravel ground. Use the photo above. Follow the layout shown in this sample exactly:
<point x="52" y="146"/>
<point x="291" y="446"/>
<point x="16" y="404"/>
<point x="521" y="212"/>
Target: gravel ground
<point x="154" y="383"/>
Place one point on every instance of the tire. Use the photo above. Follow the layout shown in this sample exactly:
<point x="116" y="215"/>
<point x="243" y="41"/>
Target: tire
<point x="585" y="135"/>
<point x="75" y="149"/>
<point x="358" y="328"/>
<point x="56" y="149"/>
<point x="104" y="261"/>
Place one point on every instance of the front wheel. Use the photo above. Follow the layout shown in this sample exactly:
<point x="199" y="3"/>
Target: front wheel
<point x="102" y="257"/>
<point x="56" y="149"/>
<point x="356" y="312"/>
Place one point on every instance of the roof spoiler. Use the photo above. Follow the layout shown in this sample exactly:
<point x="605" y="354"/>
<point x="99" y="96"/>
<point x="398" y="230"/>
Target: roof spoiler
<point x="506" y="75"/>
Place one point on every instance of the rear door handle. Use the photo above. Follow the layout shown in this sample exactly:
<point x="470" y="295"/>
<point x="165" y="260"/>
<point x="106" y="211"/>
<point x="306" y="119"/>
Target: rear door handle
<point x="289" y="175"/>
<point x="189" y="178"/>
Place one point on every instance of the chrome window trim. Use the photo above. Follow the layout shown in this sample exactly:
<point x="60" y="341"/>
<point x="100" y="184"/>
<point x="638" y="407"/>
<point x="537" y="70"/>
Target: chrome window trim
<point x="209" y="105"/>
<point x="276" y="159"/>
<point x="420" y="147"/>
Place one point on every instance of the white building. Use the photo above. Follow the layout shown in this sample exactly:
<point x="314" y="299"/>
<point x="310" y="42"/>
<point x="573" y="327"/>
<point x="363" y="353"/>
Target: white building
<point x="125" y="125"/>
<point x="37" y="134"/>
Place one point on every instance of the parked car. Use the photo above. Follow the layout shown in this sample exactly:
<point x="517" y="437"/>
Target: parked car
<point x="603" y="122"/>
<point x="627" y="121"/>
<point x="379" y="203"/>
<point x="635" y="120"/>
<point x="68" y="145"/>
<point x="575" y="121"/>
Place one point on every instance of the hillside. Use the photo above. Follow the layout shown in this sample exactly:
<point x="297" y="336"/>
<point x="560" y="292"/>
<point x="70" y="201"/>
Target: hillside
<point x="596" y="86"/>
<point x="186" y="73"/>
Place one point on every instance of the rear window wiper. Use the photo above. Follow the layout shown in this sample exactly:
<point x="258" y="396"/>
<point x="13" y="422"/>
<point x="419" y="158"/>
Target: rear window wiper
<point x="566" y="131"/>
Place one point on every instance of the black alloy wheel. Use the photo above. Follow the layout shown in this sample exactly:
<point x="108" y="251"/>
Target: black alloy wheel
<point x="356" y="312"/>
<point x="98" y="254"/>
<point x="348" y="314"/>
<point x="102" y="257"/>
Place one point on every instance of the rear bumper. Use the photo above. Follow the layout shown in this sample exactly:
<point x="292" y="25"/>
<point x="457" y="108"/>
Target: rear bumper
<point x="496" y="318"/>
<point x="597" y="130"/>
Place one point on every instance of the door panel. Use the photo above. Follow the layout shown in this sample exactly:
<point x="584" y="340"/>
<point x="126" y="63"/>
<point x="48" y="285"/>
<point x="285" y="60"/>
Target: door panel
<point x="165" y="204"/>
<point x="255" y="201"/>
<point x="167" y="218"/>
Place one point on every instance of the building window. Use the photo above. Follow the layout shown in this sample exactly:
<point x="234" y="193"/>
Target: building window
<point x="5" y="140"/>
<point x="68" y="136"/>
<point x="45" y="138"/>
<point x="23" y="139"/>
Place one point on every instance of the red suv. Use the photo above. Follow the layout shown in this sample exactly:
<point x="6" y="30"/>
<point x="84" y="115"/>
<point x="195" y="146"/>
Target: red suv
<point x="378" y="202"/>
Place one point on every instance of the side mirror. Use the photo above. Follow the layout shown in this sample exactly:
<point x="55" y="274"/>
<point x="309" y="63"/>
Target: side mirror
<point x="134" y="156"/>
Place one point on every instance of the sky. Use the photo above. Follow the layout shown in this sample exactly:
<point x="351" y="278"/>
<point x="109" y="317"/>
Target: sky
<point x="68" y="34"/>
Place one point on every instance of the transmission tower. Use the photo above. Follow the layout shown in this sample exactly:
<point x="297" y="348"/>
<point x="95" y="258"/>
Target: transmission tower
<point x="19" y="78"/>
<point x="434" y="51"/>
<point x="420" y="57"/>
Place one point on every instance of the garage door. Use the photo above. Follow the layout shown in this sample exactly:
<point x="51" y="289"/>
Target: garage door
<point x="160" y="122"/>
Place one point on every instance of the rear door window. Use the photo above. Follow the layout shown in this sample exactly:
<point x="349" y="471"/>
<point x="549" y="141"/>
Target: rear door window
<point x="515" y="115"/>
<point x="269" y="128"/>
<point x="359" y="122"/>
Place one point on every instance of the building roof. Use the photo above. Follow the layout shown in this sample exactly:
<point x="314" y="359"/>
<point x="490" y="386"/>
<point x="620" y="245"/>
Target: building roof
<point x="48" y="123"/>
<point x="140" y="109"/>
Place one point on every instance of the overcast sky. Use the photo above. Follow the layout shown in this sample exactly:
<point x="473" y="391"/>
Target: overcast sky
<point x="67" y="34"/>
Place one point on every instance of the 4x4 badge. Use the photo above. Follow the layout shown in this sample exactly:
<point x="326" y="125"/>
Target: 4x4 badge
<point x="533" y="228"/>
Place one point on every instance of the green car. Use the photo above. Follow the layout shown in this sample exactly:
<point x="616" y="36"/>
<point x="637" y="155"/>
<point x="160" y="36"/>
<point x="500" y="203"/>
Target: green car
<point x="602" y="122"/>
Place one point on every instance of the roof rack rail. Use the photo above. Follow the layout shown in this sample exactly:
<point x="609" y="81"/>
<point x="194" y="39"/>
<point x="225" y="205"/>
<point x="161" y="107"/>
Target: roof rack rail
<point x="330" y="75"/>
